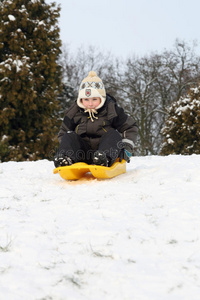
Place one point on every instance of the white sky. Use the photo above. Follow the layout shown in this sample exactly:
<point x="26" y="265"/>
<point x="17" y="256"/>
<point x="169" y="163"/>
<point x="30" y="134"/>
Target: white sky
<point x="126" y="27"/>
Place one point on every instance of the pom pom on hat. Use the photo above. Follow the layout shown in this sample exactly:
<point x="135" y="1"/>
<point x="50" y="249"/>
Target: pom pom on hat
<point x="92" y="74"/>
<point x="91" y="86"/>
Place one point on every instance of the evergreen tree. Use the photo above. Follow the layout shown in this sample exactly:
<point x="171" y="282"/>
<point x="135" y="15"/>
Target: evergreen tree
<point x="30" y="78"/>
<point x="182" y="129"/>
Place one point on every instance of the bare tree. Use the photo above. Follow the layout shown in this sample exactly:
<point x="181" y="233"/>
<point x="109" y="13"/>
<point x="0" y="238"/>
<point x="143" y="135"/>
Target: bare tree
<point x="183" y="67"/>
<point x="77" y="66"/>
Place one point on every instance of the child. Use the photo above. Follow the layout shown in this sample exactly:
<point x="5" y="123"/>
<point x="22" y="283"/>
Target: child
<point x="95" y="129"/>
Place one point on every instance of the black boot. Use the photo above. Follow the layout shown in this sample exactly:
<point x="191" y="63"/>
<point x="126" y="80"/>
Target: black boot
<point x="100" y="158"/>
<point x="62" y="160"/>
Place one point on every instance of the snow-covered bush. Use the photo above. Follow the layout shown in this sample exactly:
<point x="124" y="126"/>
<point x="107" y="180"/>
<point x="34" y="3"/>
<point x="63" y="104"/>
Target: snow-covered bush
<point x="182" y="129"/>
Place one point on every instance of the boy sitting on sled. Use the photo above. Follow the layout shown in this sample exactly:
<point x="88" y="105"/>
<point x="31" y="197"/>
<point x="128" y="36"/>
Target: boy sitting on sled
<point x="95" y="129"/>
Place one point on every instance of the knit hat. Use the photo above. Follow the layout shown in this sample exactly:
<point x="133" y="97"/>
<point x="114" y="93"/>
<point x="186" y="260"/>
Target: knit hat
<point x="91" y="86"/>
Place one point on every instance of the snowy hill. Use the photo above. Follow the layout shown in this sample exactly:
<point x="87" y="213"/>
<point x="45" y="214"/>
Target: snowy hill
<point x="134" y="237"/>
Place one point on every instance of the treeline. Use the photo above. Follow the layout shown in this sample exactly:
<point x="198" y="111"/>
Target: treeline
<point x="39" y="79"/>
<point x="145" y="86"/>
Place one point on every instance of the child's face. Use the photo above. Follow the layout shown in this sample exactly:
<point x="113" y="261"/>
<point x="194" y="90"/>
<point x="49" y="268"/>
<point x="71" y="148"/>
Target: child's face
<point x="91" y="103"/>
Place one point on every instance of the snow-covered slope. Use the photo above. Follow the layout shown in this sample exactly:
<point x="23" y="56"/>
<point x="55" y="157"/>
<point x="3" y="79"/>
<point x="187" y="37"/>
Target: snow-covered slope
<point x="134" y="237"/>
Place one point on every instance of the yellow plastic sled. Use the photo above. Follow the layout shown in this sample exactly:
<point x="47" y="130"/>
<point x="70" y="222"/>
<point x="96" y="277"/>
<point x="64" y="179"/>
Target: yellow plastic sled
<point x="78" y="170"/>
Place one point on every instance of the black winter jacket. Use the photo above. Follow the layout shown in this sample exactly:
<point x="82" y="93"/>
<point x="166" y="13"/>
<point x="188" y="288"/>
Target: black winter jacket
<point x="109" y="116"/>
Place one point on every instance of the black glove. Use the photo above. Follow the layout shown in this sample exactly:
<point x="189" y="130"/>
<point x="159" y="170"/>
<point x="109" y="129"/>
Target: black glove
<point x="126" y="152"/>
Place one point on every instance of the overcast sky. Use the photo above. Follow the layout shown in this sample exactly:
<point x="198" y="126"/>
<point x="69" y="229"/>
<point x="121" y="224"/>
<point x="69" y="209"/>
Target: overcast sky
<point x="126" y="27"/>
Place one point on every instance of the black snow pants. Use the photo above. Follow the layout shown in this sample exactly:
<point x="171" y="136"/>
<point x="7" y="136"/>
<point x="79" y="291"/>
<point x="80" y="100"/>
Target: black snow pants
<point x="75" y="147"/>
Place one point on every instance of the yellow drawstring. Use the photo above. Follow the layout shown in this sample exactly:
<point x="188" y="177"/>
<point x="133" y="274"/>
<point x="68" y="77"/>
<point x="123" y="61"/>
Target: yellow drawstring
<point x="91" y="112"/>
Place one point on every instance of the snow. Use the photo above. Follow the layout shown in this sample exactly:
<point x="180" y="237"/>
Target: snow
<point x="18" y="63"/>
<point x="135" y="236"/>
<point x="41" y="23"/>
<point x="4" y="137"/>
<point x="11" y="18"/>
<point x="195" y="90"/>
<point x="170" y="141"/>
